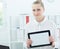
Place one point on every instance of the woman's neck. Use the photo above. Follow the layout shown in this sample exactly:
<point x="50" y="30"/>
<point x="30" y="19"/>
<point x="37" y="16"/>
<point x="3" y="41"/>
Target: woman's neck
<point x="40" y="18"/>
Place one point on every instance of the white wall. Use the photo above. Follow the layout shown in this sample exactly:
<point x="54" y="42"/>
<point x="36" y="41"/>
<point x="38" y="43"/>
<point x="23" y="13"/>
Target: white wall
<point x="52" y="8"/>
<point x="5" y="27"/>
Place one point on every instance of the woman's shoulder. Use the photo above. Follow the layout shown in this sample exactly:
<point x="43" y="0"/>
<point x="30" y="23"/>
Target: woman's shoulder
<point x="51" y="23"/>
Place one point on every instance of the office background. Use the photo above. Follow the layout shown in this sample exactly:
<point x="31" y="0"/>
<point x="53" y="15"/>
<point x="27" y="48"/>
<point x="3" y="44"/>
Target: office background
<point x="14" y="15"/>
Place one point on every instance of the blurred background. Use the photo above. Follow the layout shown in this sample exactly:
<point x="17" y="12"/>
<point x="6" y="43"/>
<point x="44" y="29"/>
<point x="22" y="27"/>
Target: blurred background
<point x="15" y="14"/>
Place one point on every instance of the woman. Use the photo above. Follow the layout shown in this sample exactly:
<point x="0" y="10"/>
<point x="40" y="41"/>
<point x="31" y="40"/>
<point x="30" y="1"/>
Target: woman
<point x="40" y="23"/>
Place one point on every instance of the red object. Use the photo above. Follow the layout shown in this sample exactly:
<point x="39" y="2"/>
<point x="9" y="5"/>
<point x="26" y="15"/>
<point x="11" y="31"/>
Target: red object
<point x="27" y="19"/>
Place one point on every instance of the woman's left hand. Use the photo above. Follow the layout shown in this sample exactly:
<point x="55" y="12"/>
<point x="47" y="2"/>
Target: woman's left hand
<point x="51" y="39"/>
<point x="53" y="44"/>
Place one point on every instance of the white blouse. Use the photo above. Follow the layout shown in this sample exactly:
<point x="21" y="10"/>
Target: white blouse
<point x="44" y="25"/>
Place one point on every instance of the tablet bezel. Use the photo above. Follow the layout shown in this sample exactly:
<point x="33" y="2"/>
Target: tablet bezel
<point x="45" y="31"/>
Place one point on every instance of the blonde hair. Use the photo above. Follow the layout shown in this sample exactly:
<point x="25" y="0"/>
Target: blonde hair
<point x="39" y="2"/>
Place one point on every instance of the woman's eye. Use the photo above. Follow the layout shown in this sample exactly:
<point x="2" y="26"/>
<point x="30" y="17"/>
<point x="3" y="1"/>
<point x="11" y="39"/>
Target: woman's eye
<point x="33" y="9"/>
<point x="38" y="9"/>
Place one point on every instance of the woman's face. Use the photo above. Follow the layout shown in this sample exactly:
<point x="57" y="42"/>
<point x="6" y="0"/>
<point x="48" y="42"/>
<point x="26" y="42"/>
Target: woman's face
<point x="37" y="10"/>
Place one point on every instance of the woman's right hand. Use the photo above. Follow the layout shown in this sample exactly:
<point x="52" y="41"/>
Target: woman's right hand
<point x="29" y="42"/>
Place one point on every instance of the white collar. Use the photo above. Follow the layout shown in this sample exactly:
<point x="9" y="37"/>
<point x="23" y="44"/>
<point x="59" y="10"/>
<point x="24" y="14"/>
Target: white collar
<point x="37" y="23"/>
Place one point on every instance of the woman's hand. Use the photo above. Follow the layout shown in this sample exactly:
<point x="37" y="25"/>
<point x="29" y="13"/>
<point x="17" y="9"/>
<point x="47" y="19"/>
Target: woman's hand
<point x="29" y="42"/>
<point x="51" y="39"/>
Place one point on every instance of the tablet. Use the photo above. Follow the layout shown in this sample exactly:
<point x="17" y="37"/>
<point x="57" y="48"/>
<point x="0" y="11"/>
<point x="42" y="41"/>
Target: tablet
<point x="39" y="38"/>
